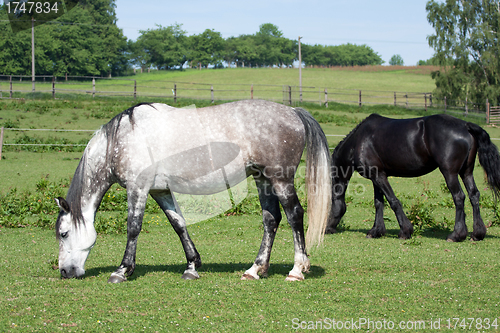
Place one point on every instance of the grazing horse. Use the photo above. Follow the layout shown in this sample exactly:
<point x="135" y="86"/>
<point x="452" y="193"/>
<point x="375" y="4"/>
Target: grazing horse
<point x="380" y="147"/>
<point x="158" y="149"/>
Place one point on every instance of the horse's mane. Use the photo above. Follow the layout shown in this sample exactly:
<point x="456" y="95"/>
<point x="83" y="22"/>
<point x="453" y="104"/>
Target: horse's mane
<point x="348" y="136"/>
<point x="76" y="188"/>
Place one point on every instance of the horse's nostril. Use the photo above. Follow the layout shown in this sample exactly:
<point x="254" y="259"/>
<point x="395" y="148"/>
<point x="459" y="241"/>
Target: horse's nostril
<point x="63" y="273"/>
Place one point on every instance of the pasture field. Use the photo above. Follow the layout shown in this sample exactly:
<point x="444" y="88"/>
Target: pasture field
<point x="423" y="283"/>
<point x="235" y="83"/>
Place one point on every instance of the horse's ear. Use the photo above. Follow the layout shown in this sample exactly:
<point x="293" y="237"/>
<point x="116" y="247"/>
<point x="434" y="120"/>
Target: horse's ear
<point x="63" y="204"/>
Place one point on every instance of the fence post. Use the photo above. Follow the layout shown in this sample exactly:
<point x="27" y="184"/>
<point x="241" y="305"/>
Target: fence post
<point x="10" y="84"/>
<point x="175" y="92"/>
<point x="290" y="95"/>
<point x="251" y="92"/>
<point x="466" y="107"/>
<point x="406" y="100"/>
<point x="212" y="93"/>
<point x="444" y="104"/>
<point x="53" y="87"/>
<point x="395" y="103"/>
<point x="135" y="89"/>
<point x="93" y="87"/>
<point x="326" y="98"/>
<point x="359" y="101"/>
<point x="1" y="142"/>
<point x="425" y="102"/>
<point x="487" y="111"/>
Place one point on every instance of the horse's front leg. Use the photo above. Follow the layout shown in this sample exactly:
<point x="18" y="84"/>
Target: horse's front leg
<point x="378" y="229"/>
<point x="406" y="228"/>
<point x="136" y="205"/>
<point x="271" y="217"/>
<point x="166" y="201"/>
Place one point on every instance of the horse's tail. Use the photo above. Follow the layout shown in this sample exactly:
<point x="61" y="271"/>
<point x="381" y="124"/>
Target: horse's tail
<point x="318" y="180"/>
<point x="489" y="158"/>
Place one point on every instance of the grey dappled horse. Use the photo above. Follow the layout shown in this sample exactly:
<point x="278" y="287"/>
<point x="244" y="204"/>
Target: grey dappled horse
<point x="158" y="149"/>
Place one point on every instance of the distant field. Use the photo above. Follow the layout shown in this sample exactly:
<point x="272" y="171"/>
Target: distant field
<point x="377" y="83"/>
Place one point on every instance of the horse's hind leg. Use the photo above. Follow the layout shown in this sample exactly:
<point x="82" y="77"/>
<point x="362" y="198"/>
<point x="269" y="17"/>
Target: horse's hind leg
<point x="479" y="229"/>
<point x="295" y="216"/>
<point x="460" y="231"/>
<point x="166" y="201"/>
<point x="378" y="228"/>
<point x="271" y="217"/>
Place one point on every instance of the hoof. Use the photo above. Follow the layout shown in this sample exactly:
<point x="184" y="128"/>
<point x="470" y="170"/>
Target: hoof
<point x="117" y="279"/>
<point x="476" y="238"/>
<point x="369" y="236"/>
<point x="450" y="240"/>
<point x="294" y="278"/>
<point x="189" y="276"/>
<point x="247" y="276"/>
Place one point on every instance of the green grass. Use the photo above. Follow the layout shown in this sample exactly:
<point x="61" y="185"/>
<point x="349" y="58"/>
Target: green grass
<point x="351" y="278"/>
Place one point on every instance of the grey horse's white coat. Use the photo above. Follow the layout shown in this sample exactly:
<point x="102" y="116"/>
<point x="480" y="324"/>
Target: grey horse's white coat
<point x="158" y="149"/>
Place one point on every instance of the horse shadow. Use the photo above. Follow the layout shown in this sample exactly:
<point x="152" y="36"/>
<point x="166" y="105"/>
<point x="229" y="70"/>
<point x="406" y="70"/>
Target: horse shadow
<point x="315" y="272"/>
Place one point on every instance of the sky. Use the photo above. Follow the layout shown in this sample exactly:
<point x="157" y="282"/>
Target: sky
<point x="389" y="27"/>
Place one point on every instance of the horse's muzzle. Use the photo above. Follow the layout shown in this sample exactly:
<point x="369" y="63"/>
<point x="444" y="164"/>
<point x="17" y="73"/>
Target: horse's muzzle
<point x="71" y="272"/>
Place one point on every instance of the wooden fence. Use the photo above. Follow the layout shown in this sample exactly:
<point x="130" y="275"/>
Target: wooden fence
<point x="492" y="114"/>
<point x="60" y="87"/>
<point x="12" y="86"/>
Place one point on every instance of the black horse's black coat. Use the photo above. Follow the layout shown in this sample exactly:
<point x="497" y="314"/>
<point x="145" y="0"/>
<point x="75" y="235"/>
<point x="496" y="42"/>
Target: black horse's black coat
<point x="380" y="147"/>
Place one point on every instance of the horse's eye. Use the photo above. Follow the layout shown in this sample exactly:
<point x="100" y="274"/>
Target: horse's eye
<point x="64" y="234"/>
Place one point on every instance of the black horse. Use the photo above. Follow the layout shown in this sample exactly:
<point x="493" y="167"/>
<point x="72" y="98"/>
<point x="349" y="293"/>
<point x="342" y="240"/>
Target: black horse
<point x="380" y="147"/>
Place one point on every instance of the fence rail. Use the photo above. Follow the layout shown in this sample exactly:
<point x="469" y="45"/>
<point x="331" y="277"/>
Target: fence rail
<point x="12" y="85"/>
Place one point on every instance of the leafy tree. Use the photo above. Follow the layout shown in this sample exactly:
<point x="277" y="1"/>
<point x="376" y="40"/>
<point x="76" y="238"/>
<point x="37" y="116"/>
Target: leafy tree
<point x="340" y="55"/>
<point x="396" y="60"/>
<point x="163" y="47"/>
<point x="207" y="48"/>
<point x="90" y="44"/>
<point x="245" y="50"/>
<point x="466" y="36"/>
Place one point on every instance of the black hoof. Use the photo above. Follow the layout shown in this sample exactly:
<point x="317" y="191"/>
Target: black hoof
<point x="116" y="279"/>
<point x="477" y="238"/>
<point x="189" y="276"/>
<point x="454" y="238"/>
<point x="374" y="235"/>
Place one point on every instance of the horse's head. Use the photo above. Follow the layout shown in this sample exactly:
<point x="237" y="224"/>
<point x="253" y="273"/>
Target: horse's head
<point x="341" y="174"/>
<point x="76" y="239"/>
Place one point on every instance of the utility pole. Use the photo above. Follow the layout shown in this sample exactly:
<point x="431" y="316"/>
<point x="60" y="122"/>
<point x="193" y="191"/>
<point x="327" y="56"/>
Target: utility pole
<point x="33" y="54"/>
<point x="300" y="72"/>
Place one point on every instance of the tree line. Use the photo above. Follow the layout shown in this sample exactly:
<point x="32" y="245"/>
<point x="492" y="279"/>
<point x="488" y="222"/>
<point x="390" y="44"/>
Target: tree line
<point x="467" y="49"/>
<point x="87" y="41"/>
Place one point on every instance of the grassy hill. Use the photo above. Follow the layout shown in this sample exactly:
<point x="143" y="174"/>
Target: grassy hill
<point x="378" y="78"/>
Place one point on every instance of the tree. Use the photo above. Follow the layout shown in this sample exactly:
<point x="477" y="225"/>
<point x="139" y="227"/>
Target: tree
<point x="84" y="41"/>
<point x="466" y="36"/>
<point x="340" y="55"/>
<point x="207" y="48"/>
<point x="396" y="60"/>
<point x="163" y="47"/>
